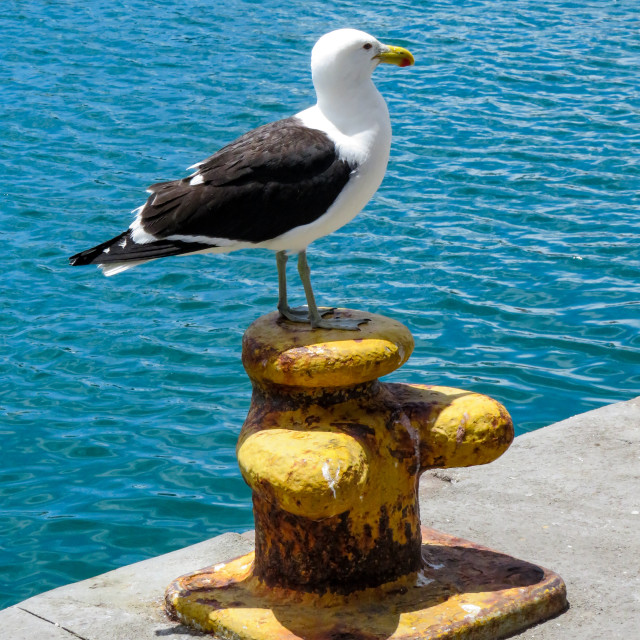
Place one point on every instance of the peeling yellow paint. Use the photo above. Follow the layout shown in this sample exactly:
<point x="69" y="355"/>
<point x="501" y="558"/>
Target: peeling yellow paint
<point x="333" y="457"/>
<point x="484" y="595"/>
<point x="315" y="474"/>
<point x="282" y="352"/>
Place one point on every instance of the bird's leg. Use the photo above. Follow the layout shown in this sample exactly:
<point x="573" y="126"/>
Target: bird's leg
<point x="295" y="315"/>
<point x="298" y="314"/>
<point x="316" y="320"/>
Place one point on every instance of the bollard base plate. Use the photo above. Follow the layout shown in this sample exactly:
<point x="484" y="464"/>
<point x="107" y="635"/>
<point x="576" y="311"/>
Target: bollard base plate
<point x="463" y="591"/>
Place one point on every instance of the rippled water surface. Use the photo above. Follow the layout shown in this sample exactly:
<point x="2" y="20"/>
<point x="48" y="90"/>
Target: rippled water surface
<point x="505" y="236"/>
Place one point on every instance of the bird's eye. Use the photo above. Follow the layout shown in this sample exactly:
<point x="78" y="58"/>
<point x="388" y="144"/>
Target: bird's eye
<point x="367" y="46"/>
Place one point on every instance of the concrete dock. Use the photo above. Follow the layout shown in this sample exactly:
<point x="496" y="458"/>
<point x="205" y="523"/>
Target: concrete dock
<point x="566" y="497"/>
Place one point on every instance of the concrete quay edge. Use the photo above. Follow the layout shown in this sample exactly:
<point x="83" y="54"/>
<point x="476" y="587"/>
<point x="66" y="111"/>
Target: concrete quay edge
<point x="566" y="497"/>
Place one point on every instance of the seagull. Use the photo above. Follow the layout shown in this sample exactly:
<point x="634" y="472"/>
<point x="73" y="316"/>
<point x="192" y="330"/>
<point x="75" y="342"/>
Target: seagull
<point x="280" y="186"/>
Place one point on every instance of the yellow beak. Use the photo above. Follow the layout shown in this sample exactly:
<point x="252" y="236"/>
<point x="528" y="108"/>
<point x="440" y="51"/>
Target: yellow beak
<point x="396" y="55"/>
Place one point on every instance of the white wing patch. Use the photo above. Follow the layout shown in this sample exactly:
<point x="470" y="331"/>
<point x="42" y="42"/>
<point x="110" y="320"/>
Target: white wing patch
<point x="138" y="234"/>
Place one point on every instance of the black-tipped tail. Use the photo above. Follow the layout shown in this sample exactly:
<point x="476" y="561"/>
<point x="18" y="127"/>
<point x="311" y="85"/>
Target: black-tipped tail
<point x="122" y="248"/>
<point x="98" y="254"/>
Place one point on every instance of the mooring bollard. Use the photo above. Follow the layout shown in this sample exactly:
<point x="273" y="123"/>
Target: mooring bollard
<point x="333" y="457"/>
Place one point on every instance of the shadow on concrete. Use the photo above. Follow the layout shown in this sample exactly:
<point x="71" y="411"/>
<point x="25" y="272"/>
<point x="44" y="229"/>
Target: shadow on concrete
<point x="460" y="586"/>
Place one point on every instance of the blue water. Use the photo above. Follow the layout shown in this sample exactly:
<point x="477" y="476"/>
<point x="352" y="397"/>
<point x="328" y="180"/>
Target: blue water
<point x="505" y="236"/>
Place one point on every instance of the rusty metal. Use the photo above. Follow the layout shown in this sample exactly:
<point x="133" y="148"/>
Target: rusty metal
<point x="463" y="591"/>
<point x="333" y="457"/>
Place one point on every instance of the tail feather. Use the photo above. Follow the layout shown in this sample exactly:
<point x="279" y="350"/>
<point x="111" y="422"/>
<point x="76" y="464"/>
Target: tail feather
<point x="122" y="249"/>
<point x="94" y="255"/>
<point x="113" y="268"/>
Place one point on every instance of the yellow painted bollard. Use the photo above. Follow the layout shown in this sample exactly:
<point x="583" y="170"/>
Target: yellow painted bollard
<point x="333" y="457"/>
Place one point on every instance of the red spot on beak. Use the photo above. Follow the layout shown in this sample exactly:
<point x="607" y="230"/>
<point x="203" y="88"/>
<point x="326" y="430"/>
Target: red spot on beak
<point x="405" y="63"/>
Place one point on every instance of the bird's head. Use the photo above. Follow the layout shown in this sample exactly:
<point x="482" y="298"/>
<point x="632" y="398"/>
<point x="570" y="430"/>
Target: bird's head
<point x="349" y="56"/>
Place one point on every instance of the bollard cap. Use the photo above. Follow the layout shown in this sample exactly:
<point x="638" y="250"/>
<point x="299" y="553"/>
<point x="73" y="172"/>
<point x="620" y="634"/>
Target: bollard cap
<point x="277" y="351"/>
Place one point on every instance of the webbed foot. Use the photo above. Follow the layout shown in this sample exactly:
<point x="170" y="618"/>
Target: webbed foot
<point x="341" y="324"/>
<point x="301" y="314"/>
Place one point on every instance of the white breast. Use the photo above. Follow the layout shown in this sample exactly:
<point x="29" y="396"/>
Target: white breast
<point x="366" y="146"/>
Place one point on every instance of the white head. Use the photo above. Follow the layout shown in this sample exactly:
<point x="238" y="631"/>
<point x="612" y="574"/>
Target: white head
<point x="346" y="58"/>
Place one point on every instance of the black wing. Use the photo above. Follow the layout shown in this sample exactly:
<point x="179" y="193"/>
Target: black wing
<point x="275" y="178"/>
<point x="122" y="248"/>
